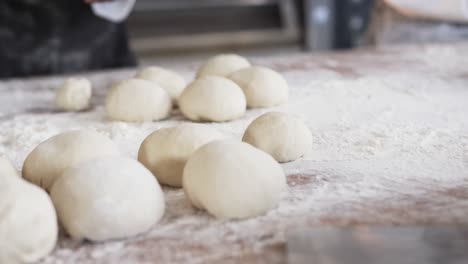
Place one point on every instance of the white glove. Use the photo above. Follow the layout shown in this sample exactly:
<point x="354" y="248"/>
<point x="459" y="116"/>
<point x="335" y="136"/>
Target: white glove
<point x="115" y="11"/>
<point x="447" y="10"/>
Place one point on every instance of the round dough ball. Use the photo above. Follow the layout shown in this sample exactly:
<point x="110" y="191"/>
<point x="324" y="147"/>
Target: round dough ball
<point x="52" y="157"/>
<point x="7" y="169"/>
<point x="137" y="100"/>
<point x="169" y="80"/>
<point x="231" y="179"/>
<point x="212" y="99"/>
<point x="165" y="151"/>
<point x="107" y="198"/>
<point x="291" y="138"/>
<point x="28" y="223"/>
<point x="262" y="87"/>
<point x="74" y="94"/>
<point x="222" y="65"/>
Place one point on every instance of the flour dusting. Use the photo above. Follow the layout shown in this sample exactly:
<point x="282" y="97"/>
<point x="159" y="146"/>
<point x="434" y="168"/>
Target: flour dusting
<point x="390" y="146"/>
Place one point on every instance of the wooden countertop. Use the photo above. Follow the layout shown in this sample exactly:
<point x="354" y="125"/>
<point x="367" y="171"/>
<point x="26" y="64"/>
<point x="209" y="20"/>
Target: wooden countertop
<point x="391" y="148"/>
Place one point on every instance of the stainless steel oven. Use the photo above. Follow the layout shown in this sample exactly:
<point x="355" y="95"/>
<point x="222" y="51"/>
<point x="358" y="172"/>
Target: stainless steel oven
<point x="188" y="24"/>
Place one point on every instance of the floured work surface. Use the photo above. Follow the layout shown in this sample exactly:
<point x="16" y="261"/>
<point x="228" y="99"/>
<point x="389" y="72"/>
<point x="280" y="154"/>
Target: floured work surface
<point x="390" y="147"/>
<point x="378" y="245"/>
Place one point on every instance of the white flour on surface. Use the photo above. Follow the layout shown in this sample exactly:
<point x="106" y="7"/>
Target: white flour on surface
<point x="390" y="147"/>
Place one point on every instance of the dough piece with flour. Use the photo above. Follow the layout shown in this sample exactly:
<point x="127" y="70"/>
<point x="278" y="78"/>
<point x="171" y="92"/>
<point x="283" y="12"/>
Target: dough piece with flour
<point x="222" y="65"/>
<point x="28" y="223"/>
<point x="74" y="94"/>
<point x="283" y="136"/>
<point x="232" y="179"/>
<point x="137" y="100"/>
<point x="165" y="151"/>
<point x="169" y="80"/>
<point x="262" y="86"/>
<point x="52" y="157"/>
<point x="107" y="198"/>
<point x="212" y="99"/>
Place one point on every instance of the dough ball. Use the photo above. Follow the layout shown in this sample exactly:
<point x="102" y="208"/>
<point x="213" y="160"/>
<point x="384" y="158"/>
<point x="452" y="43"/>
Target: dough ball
<point x="28" y="223"/>
<point x="232" y="179"/>
<point x="74" y="94"/>
<point x="222" y="65"/>
<point x="53" y="156"/>
<point x="137" y="100"/>
<point x="212" y="99"/>
<point x="165" y="151"/>
<point x="262" y="87"/>
<point x="291" y="138"/>
<point x="169" y="80"/>
<point x="7" y="169"/>
<point x="107" y="198"/>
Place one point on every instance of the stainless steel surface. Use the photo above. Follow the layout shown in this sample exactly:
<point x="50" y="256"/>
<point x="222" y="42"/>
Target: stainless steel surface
<point x="287" y="32"/>
<point x="237" y="39"/>
<point x="319" y="24"/>
<point x="145" y="5"/>
<point x="379" y="245"/>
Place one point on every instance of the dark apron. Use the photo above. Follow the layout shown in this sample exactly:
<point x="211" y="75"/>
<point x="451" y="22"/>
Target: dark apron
<point x="39" y="37"/>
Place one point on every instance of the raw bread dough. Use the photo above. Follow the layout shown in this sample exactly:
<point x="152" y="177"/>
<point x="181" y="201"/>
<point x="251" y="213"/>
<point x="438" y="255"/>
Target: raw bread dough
<point x="283" y="136"/>
<point x="165" y="151"/>
<point x="212" y="99"/>
<point x="52" y="157"/>
<point x="169" y="80"/>
<point x="74" y="94"/>
<point x="262" y="87"/>
<point x="107" y="198"/>
<point x="232" y="179"/>
<point x="137" y="100"/>
<point x="7" y="169"/>
<point x="28" y="223"/>
<point x="222" y="65"/>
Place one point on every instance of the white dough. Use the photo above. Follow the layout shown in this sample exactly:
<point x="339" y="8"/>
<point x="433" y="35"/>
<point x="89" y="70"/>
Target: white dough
<point x="165" y="151"/>
<point x="52" y="157"/>
<point x="232" y="179"/>
<point x="262" y="87"/>
<point x="28" y="223"/>
<point x="137" y="100"/>
<point x="222" y="65"/>
<point x="283" y="136"/>
<point x="7" y="169"/>
<point x="169" y="80"/>
<point x="212" y="99"/>
<point x="107" y="198"/>
<point x="74" y="94"/>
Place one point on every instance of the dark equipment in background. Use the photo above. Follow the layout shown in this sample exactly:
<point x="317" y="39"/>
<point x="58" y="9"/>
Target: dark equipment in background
<point x="335" y="24"/>
<point x="56" y="37"/>
<point x="188" y="24"/>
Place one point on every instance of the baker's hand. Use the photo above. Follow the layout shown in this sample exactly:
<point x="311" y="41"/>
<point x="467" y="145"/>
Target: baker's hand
<point x="94" y="1"/>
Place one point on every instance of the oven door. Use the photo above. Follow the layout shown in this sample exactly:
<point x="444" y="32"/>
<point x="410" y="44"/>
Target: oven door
<point x="190" y="24"/>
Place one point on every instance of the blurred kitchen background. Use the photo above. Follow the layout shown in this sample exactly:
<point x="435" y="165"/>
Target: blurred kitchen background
<point x="185" y="29"/>
<point x="44" y="37"/>
<point x="166" y="30"/>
